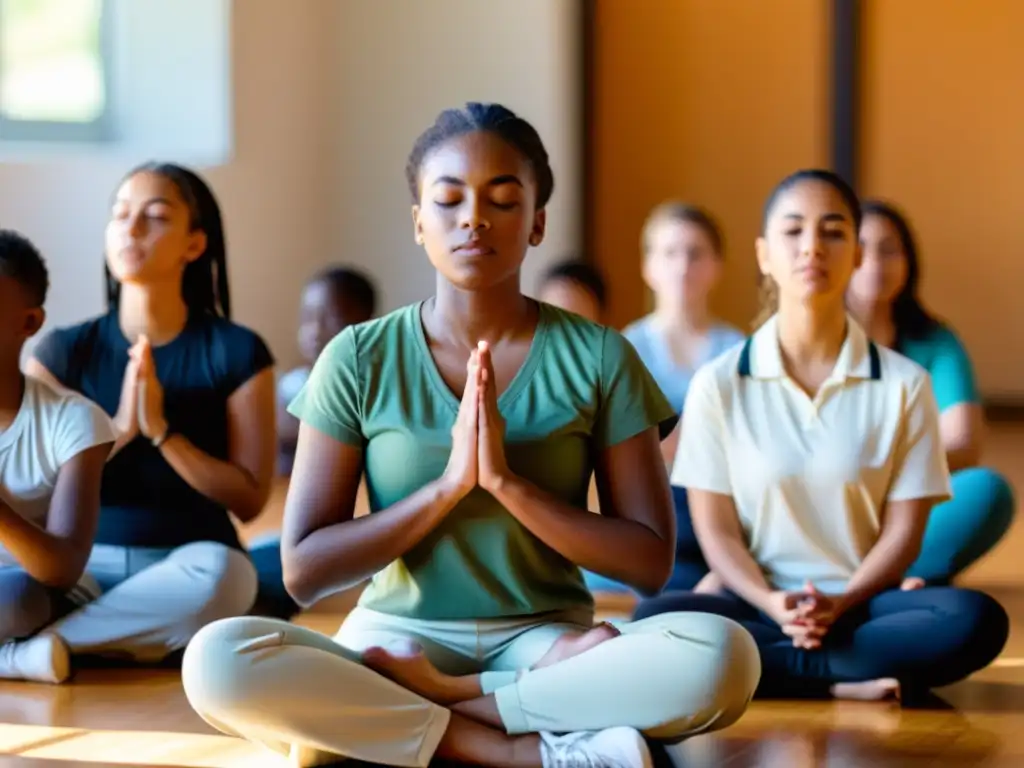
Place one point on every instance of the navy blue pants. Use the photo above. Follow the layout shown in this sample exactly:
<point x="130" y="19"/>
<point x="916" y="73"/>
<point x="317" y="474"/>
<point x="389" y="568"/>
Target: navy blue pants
<point x="272" y="599"/>
<point x="926" y="639"/>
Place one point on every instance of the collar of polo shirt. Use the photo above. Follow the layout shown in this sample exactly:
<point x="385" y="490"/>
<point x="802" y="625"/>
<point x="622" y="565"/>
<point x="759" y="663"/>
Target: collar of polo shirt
<point x="762" y="359"/>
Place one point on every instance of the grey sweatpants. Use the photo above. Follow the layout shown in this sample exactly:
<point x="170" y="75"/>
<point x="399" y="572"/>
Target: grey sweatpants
<point x="137" y="603"/>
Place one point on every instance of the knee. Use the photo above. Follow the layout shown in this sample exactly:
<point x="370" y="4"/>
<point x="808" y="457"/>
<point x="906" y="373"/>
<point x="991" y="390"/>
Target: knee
<point x="216" y="670"/>
<point x="985" y="624"/>
<point x="989" y="492"/>
<point x="26" y="606"/>
<point x="227" y="580"/>
<point x="716" y="668"/>
<point x="739" y="664"/>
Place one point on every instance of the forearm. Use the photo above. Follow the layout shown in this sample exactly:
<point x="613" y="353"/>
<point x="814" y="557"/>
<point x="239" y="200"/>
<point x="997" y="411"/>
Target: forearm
<point x="225" y="483"/>
<point x="624" y="550"/>
<point x="883" y="568"/>
<point x="343" y="555"/>
<point x="730" y="558"/>
<point x="48" y="559"/>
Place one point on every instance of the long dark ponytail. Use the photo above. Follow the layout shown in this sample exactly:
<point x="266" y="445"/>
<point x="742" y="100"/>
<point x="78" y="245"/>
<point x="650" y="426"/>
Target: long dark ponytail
<point x="204" y="284"/>
<point x="912" y="319"/>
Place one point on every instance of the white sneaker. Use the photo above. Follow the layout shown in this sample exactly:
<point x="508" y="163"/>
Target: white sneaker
<point x="43" y="659"/>
<point x="610" y="748"/>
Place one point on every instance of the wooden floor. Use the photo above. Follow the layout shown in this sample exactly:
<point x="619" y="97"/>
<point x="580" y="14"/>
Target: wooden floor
<point x="132" y="718"/>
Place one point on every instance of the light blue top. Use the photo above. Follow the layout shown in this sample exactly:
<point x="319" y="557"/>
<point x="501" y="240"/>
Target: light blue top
<point x="672" y="378"/>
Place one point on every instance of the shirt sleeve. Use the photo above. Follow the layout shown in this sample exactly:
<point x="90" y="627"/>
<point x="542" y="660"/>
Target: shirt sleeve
<point x="920" y="470"/>
<point x="58" y="353"/>
<point x="330" y="400"/>
<point x="81" y="425"/>
<point x="701" y="460"/>
<point x="245" y="355"/>
<point x="631" y="401"/>
<point x="952" y="374"/>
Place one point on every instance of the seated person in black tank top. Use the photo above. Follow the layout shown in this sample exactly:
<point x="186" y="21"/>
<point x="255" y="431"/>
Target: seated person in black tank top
<point x="192" y="396"/>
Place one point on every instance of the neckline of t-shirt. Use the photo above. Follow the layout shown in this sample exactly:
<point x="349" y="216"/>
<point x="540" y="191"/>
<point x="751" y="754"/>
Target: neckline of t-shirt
<point x="660" y="347"/>
<point x="9" y="435"/>
<point x="125" y="344"/>
<point x="519" y="381"/>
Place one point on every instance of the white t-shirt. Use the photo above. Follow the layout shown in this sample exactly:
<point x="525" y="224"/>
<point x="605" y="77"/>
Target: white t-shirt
<point x="51" y="428"/>
<point x="810" y="477"/>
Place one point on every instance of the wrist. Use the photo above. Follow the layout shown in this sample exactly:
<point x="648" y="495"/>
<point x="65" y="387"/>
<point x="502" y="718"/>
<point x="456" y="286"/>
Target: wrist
<point x="500" y="484"/>
<point x="448" y="491"/>
<point x="159" y="434"/>
<point x="842" y="603"/>
<point x="455" y="690"/>
<point x="763" y="599"/>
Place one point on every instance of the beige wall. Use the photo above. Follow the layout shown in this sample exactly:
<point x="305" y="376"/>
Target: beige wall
<point x="396" y="64"/>
<point x="709" y="101"/>
<point x="328" y="97"/>
<point x="943" y="126"/>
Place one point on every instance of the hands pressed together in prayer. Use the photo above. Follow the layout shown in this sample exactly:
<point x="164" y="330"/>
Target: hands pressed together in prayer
<point x="478" y="437"/>
<point x="141" y="410"/>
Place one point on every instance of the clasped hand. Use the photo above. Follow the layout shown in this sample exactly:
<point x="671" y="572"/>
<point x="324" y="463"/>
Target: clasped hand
<point x="141" y="409"/>
<point x="478" y="437"/>
<point x="806" y="615"/>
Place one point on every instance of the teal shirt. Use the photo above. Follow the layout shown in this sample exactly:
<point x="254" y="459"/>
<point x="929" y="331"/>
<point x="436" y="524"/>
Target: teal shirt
<point x="942" y="354"/>
<point x="581" y="389"/>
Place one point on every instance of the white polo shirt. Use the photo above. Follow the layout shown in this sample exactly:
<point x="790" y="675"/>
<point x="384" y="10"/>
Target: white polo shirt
<point x="51" y="428"/>
<point x="810" y="477"/>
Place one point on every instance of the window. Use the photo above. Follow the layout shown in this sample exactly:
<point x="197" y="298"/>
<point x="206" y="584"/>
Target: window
<point x="54" y="70"/>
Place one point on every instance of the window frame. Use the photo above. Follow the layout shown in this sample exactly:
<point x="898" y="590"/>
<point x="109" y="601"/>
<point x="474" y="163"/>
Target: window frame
<point x="96" y="131"/>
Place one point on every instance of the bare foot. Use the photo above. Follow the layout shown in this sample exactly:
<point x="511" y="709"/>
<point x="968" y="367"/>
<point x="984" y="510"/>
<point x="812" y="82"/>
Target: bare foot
<point x="710" y="585"/>
<point x="871" y="690"/>
<point x="911" y="583"/>
<point x="408" y="666"/>
<point x="568" y="646"/>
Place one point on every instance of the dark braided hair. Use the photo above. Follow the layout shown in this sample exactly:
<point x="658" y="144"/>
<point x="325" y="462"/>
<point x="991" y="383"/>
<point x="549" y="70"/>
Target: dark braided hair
<point x="204" y="285"/>
<point x="489" y="118"/>
<point x="912" y="320"/>
<point x="768" y="294"/>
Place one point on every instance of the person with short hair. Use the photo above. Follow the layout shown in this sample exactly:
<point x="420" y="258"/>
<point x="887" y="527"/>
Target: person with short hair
<point x="575" y="286"/>
<point x="53" y="448"/>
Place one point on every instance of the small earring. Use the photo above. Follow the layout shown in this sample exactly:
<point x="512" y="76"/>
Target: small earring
<point x="533" y="240"/>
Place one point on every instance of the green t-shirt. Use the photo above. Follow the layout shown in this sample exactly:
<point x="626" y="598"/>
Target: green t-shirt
<point x="941" y="354"/>
<point x="581" y="389"/>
